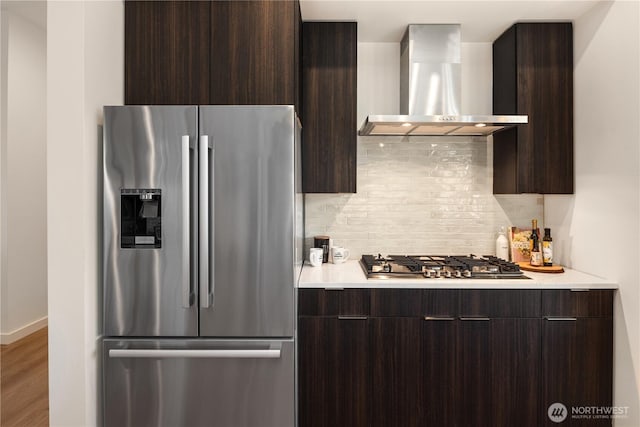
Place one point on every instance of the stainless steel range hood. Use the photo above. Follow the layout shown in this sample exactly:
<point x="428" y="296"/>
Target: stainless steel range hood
<point x="430" y="76"/>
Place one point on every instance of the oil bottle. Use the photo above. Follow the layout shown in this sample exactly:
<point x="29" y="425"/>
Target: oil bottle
<point x="547" y="248"/>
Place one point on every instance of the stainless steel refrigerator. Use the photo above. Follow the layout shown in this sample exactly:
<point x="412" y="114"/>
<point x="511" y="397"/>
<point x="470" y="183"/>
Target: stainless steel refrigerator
<point x="203" y="234"/>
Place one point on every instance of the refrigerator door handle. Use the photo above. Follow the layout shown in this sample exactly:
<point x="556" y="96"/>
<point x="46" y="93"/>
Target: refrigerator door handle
<point x="271" y="353"/>
<point x="205" y="249"/>
<point x="187" y="295"/>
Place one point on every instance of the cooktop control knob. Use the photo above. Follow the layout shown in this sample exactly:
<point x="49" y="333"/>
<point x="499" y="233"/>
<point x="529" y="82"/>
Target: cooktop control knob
<point x="447" y="274"/>
<point x="457" y="274"/>
<point x="466" y="273"/>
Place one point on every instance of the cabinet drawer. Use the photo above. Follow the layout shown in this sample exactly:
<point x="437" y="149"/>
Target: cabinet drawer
<point x="500" y="303"/>
<point x="591" y="303"/>
<point x="414" y="302"/>
<point x="323" y="302"/>
<point x="396" y="302"/>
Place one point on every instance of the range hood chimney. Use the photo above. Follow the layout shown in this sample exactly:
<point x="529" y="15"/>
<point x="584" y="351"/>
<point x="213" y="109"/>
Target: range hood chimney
<point x="430" y="76"/>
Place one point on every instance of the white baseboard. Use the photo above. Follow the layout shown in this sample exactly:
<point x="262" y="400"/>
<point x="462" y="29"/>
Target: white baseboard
<point x="11" y="337"/>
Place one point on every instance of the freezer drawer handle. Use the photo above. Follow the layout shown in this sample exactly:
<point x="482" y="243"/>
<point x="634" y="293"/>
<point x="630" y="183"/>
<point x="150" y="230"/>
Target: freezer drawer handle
<point x="206" y="221"/>
<point x="561" y="319"/>
<point x="272" y="353"/>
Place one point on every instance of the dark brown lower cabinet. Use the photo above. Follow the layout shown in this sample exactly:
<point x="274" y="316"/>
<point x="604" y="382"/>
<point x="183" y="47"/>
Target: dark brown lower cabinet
<point x="515" y="369"/>
<point x="475" y="373"/>
<point x="439" y="368"/>
<point x="474" y="364"/>
<point x="440" y="371"/>
<point x="577" y="367"/>
<point x="334" y="374"/>
<point x="398" y="386"/>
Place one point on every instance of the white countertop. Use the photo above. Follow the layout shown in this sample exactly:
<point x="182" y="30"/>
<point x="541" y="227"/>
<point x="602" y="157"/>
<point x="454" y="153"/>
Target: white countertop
<point x="351" y="275"/>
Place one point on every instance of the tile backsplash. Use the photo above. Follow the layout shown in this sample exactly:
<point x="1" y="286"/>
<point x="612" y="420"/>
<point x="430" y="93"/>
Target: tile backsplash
<point x="420" y="195"/>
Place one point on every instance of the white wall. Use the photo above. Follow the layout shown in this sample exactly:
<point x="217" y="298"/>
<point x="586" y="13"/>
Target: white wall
<point x="4" y="48"/>
<point x="85" y="71"/>
<point x="23" y="196"/>
<point x="426" y="195"/>
<point x="597" y="230"/>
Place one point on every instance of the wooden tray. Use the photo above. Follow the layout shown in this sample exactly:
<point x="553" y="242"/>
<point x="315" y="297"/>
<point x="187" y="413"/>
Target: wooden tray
<point x="553" y="269"/>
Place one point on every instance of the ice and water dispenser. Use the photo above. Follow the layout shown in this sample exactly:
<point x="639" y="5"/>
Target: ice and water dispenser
<point x="140" y="218"/>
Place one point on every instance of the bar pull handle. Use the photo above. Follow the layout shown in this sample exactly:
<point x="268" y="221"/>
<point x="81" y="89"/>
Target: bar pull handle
<point x="204" y="246"/>
<point x="271" y="353"/>
<point x="187" y="295"/>
<point x="352" y="317"/>
<point x="561" y="319"/>
<point x="439" y="318"/>
<point x="212" y="246"/>
<point x="480" y="318"/>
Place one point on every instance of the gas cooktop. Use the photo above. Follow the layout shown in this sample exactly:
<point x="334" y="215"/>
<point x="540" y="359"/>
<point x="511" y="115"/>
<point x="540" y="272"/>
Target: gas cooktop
<point x="439" y="266"/>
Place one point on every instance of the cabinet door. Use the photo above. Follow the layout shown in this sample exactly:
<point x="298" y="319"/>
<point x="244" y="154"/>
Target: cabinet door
<point x="253" y="52"/>
<point x="533" y="75"/>
<point x="577" y="360"/>
<point x="440" y="392"/>
<point x="397" y="385"/>
<point x="545" y="94"/>
<point x="334" y="371"/>
<point x="329" y="99"/>
<point x="515" y="356"/>
<point x="499" y="371"/>
<point x="166" y="52"/>
<point x="475" y="373"/>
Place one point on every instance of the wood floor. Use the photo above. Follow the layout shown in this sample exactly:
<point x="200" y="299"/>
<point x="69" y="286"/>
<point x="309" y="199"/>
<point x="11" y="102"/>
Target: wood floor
<point x="24" y="385"/>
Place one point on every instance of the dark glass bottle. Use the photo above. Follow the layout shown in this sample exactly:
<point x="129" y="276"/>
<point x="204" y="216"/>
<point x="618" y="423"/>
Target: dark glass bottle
<point x="536" y="255"/>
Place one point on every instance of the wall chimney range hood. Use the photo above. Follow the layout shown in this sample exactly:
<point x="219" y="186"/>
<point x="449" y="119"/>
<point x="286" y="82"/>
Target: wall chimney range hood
<point x="430" y="76"/>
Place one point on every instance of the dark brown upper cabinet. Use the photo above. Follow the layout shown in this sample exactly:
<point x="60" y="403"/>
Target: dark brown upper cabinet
<point x="329" y="100"/>
<point x="533" y="75"/>
<point x="166" y="52"/>
<point x="254" y="52"/>
<point x="212" y="52"/>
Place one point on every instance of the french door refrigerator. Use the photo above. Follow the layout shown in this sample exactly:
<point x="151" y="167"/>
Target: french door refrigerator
<point x="202" y="241"/>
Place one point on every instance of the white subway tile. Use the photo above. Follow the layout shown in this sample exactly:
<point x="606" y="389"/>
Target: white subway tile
<point x="422" y="195"/>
